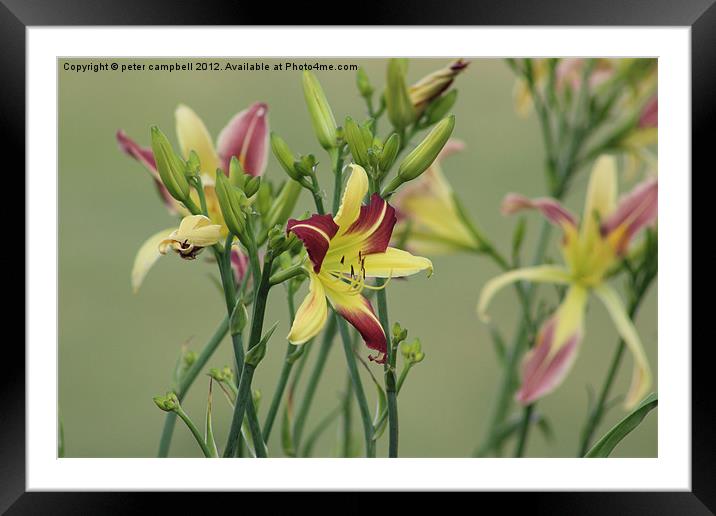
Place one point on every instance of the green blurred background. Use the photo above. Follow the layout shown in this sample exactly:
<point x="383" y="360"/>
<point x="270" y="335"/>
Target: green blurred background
<point x="117" y="350"/>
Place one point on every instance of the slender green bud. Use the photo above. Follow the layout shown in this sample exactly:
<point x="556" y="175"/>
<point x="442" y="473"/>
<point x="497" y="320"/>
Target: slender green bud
<point x="237" y="176"/>
<point x="284" y="156"/>
<point x="232" y="202"/>
<point x="412" y="352"/>
<point x="167" y="403"/>
<point x="397" y="99"/>
<point x="324" y="123"/>
<point x="440" y="107"/>
<point x="363" y="83"/>
<point x="252" y="186"/>
<point x="425" y="153"/>
<point x="239" y="317"/>
<point x="170" y="167"/>
<point x="389" y="153"/>
<point x="305" y="165"/>
<point x="284" y="204"/>
<point x="356" y="140"/>
<point x="258" y="352"/>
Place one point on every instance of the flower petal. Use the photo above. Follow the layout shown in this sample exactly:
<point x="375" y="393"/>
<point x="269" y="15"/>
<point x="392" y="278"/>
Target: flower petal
<point x="601" y="194"/>
<point x="356" y="309"/>
<point x="316" y="234"/>
<point x="311" y="315"/>
<point x="650" y="114"/>
<point x="246" y="137"/>
<point x="544" y="370"/>
<point x="538" y="274"/>
<point x="356" y="188"/>
<point x="636" y="210"/>
<point x="194" y="136"/>
<point x="199" y="230"/>
<point x="641" y="376"/>
<point x="145" y="156"/>
<point x="374" y="226"/>
<point x="395" y="263"/>
<point x="147" y="255"/>
<point x="550" y="208"/>
<point x="239" y="264"/>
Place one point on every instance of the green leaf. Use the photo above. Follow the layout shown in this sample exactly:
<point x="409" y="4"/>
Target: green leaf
<point x="605" y="445"/>
<point x="289" y="450"/>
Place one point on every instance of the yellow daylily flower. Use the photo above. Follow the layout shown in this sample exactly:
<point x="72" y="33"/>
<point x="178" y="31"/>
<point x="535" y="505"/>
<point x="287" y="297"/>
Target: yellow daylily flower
<point x="590" y="250"/>
<point x="427" y="211"/>
<point x="343" y="252"/>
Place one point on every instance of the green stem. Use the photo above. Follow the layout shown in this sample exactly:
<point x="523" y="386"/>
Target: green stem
<point x="338" y="173"/>
<point x="247" y="373"/>
<point x="357" y="388"/>
<point x="389" y="370"/>
<point x="316" y="192"/>
<point x="313" y="381"/>
<point x="287" y="274"/>
<point x="195" y="432"/>
<point x="347" y="412"/>
<point x="524" y="430"/>
<point x="285" y="371"/>
<point x="188" y="379"/>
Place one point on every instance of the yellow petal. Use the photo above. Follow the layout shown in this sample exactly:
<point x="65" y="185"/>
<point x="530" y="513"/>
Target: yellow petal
<point x="356" y="188"/>
<point x="641" y="376"/>
<point x="601" y="194"/>
<point x="539" y="274"/>
<point x="570" y="316"/>
<point x="395" y="263"/>
<point x="311" y="315"/>
<point x="198" y="230"/>
<point x="147" y="255"/>
<point x="194" y="136"/>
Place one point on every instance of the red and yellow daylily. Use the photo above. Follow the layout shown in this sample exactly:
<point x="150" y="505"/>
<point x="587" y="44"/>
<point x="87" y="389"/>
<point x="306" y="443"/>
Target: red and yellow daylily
<point x="590" y="250"/>
<point x="427" y="211"/>
<point x="245" y="136"/>
<point x="343" y="252"/>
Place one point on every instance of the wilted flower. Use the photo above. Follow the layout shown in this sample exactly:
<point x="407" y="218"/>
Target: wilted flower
<point x="590" y="250"/>
<point x="191" y="237"/>
<point x="426" y="209"/>
<point x="344" y="251"/>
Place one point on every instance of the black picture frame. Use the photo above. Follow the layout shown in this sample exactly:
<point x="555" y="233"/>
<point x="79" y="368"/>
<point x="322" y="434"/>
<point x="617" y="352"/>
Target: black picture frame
<point x="699" y="15"/>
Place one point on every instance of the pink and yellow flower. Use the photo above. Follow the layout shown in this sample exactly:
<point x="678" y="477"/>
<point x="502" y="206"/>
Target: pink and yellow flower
<point x="590" y="250"/>
<point x="343" y="252"/>
<point x="245" y="136"/>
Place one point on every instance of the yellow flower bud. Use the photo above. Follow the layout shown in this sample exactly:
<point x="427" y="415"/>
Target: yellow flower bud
<point x="324" y="123"/>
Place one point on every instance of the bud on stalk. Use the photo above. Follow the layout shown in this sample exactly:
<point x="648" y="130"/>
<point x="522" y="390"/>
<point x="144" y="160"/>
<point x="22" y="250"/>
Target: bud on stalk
<point x="170" y="167"/>
<point x="354" y="135"/>
<point x="284" y="156"/>
<point x="397" y="100"/>
<point x="232" y="202"/>
<point x="324" y="123"/>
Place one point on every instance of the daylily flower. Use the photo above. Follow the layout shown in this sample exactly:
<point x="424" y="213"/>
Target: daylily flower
<point x="245" y="136"/>
<point x="194" y="233"/>
<point x="426" y="210"/>
<point x="590" y="250"/>
<point x="343" y="252"/>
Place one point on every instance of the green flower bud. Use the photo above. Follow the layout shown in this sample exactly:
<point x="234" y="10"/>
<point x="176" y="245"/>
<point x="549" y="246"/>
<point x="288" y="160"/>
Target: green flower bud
<point x="239" y="317"/>
<point x="283" y="205"/>
<point x="363" y="83"/>
<point x="232" y="202"/>
<point x="399" y="333"/>
<point x="252" y="186"/>
<point x="189" y="358"/>
<point x="389" y="153"/>
<point x="305" y="165"/>
<point x="324" y="123"/>
<point x="412" y="352"/>
<point x="170" y="167"/>
<point x="440" y="107"/>
<point x="277" y="240"/>
<point x="284" y="156"/>
<point x="193" y="166"/>
<point x="397" y="99"/>
<point x="356" y="140"/>
<point x="425" y="153"/>
<point x="237" y="176"/>
<point x="257" y="353"/>
<point x="167" y="403"/>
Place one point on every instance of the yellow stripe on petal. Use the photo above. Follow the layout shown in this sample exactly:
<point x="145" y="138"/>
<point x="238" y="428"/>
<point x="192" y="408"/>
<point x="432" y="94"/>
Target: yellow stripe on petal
<point x="641" y="377"/>
<point x="539" y="274"/>
<point x="194" y="136"/>
<point x="311" y="315"/>
<point x="356" y="188"/>
<point x="147" y="255"/>
<point x="395" y="263"/>
<point x="601" y="195"/>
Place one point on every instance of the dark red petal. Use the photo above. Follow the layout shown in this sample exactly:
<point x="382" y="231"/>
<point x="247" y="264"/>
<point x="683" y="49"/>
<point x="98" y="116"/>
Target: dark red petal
<point x="636" y="210"/>
<point x="246" y="137"/>
<point x="380" y="215"/>
<point x="369" y="328"/>
<point x="315" y="233"/>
